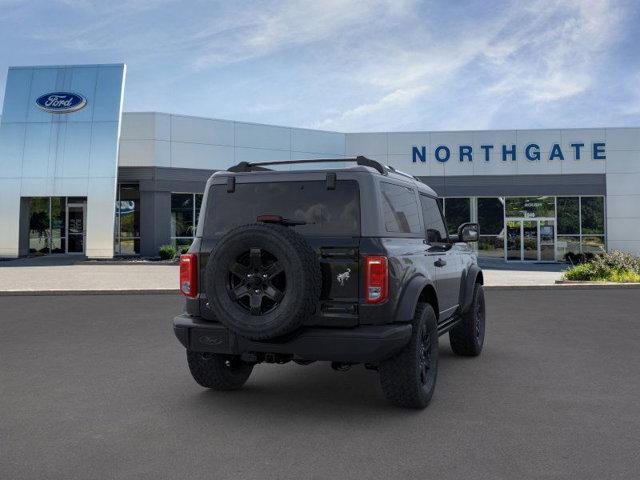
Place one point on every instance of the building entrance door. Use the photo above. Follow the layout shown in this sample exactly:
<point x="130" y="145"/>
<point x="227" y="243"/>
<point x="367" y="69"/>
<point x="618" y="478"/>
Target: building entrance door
<point x="532" y="240"/>
<point x="76" y="220"/>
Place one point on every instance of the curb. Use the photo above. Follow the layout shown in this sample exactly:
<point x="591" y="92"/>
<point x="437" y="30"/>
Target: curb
<point x="565" y="286"/>
<point x="22" y="293"/>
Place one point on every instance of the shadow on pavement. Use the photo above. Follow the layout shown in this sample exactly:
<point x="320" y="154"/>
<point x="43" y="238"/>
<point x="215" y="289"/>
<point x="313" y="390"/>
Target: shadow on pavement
<point x="294" y="392"/>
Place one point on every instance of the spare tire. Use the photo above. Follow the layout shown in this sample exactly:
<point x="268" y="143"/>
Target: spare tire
<point x="262" y="280"/>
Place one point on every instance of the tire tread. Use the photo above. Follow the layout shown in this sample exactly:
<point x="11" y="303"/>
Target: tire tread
<point x="214" y="374"/>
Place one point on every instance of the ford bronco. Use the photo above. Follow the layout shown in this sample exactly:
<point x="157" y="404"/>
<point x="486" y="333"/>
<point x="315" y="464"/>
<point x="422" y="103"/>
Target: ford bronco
<point x="352" y="265"/>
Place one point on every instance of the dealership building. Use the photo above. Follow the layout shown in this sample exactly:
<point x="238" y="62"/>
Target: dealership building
<point x="80" y="176"/>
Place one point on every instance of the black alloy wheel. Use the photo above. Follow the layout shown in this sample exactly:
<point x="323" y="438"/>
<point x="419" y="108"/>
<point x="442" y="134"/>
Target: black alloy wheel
<point x="467" y="338"/>
<point x="257" y="281"/>
<point x="425" y="357"/>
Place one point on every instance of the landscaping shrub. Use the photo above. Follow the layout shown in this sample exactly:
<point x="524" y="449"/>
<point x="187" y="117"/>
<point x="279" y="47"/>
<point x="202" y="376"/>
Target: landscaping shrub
<point x="167" y="252"/>
<point x="578" y="258"/>
<point x="184" y="249"/>
<point x="615" y="266"/>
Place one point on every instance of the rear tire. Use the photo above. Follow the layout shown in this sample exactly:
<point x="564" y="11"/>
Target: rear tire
<point x="467" y="338"/>
<point x="409" y="379"/>
<point x="218" y="372"/>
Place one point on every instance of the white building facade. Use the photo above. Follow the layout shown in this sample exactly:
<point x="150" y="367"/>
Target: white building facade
<point x="537" y="194"/>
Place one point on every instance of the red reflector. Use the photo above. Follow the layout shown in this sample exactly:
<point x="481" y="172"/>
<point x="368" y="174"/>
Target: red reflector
<point x="189" y="275"/>
<point x="375" y="279"/>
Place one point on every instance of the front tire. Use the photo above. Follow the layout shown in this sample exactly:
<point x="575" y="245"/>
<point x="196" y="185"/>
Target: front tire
<point x="409" y="379"/>
<point x="218" y="372"/>
<point x="467" y="338"/>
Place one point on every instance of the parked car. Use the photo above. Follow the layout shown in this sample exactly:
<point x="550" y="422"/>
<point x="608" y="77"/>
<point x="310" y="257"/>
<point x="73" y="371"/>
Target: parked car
<point x="348" y="265"/>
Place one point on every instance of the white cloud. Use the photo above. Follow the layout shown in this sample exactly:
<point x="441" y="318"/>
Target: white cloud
<point x="398" y="98"/>
<point x="534" y="55"/>
<point x="285" y="24"/>
<point x="353" y="64"/>
<point x="551" y="56"/>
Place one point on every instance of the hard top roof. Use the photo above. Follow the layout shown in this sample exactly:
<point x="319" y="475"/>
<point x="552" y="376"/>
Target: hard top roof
<point x="363" y="164"/>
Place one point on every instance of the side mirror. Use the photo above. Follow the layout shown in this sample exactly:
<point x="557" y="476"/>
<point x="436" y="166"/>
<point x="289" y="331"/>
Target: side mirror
<point x="469" y="232"/>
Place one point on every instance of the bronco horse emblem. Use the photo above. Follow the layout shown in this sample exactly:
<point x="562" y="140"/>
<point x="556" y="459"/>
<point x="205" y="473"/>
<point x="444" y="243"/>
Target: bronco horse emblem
<point x="343" y="277"/>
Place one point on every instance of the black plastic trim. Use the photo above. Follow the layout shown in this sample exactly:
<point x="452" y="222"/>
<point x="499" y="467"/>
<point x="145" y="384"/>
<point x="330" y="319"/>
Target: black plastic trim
<point x="362" y="344"/>
<point x="260" y="166"/>
<point x="469" y="282"/>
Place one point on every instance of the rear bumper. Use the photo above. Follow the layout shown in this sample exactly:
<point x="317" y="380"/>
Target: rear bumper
<point x="363" y="344"/>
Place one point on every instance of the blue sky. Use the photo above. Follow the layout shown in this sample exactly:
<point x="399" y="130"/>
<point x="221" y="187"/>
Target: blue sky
<point x="351" y="65"/>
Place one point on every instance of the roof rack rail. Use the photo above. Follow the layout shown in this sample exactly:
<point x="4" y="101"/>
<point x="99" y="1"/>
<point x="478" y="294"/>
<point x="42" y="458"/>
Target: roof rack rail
<point x="400" y="172"/>
<point x="260" y="166"/>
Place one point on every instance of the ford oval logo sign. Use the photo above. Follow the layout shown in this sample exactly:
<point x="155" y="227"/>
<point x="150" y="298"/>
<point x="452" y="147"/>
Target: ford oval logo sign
<point x="61" y="102"/>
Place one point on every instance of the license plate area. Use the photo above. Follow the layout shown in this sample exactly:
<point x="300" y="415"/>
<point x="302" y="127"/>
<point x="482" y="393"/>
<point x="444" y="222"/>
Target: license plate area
<point x="210" y="340"/>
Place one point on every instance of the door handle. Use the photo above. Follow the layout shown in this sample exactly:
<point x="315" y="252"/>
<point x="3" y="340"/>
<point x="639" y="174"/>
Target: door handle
<point x="440" y="263"/>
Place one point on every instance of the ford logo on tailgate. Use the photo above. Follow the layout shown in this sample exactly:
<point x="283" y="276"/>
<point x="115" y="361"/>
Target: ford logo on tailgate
<point x="61" y="102"/>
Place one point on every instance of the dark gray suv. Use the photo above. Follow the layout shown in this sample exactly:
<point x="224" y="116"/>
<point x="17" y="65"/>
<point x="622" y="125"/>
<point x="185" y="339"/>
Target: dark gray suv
<point x="348" y="265"/>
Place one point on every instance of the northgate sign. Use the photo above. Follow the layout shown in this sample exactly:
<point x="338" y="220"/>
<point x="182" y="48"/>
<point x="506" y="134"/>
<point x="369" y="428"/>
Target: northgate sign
<point x="531" y="152"/>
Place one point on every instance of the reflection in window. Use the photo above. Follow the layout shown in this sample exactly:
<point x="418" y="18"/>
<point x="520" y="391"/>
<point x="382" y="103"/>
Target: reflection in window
<point x="456" y="212"/>
<point x="400" y="209"/>
<point x="567" y="244"/>
<point x="127" y="227"/>
<point x="491" y="246"/>
<point x="580" y="225"/>
<point x="491" y="215"/>
<point x="435" y="229"/>
<point x="182" y="223"/>
<point x="530" y="207"/>
<point x="58" y="219"/>
<point x="592" y="212"/>
<point x="491" y="221"/>
<point x="48" y="224"/>
<point x="568" y="216"/>
<point x="185" y="210"/>
<point x="323" y="212"/>
<point x="39" y="225"/>
<point x="593" y="244"/>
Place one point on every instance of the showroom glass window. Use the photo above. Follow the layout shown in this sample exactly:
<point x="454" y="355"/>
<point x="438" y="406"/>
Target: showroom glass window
<point x="491" y="221"/>
<point x="40" y="225"/>
<point x="456" y="212"/>
<point x="568" y="225"/>
<point x="581" y="225"/>
<point x="530" y="207"/>
<point x="127" y="228"/>
<point x="592" y="219"/>
<point x="48" y="224"/>
<point x="400" y="209"/>
<point x="185" y="210"/>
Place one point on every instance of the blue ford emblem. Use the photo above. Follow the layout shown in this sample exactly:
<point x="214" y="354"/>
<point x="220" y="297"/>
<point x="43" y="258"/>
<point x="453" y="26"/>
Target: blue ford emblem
<point x="61" y="102"/>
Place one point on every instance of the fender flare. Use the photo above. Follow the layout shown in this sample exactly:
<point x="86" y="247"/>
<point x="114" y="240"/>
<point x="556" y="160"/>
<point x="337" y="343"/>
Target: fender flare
<point x="410" y="296"/>
<point x="468" y="283"/>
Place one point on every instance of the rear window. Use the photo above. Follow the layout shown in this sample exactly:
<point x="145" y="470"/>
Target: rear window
<point x="326" y="212"/>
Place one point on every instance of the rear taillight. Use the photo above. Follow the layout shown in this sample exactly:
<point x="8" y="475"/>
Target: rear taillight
<point x="376" y="274"/>
<point x="189" y="274"/>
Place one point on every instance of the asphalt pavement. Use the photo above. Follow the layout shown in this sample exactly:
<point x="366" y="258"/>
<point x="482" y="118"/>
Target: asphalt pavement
<point x="96" y="387"/>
